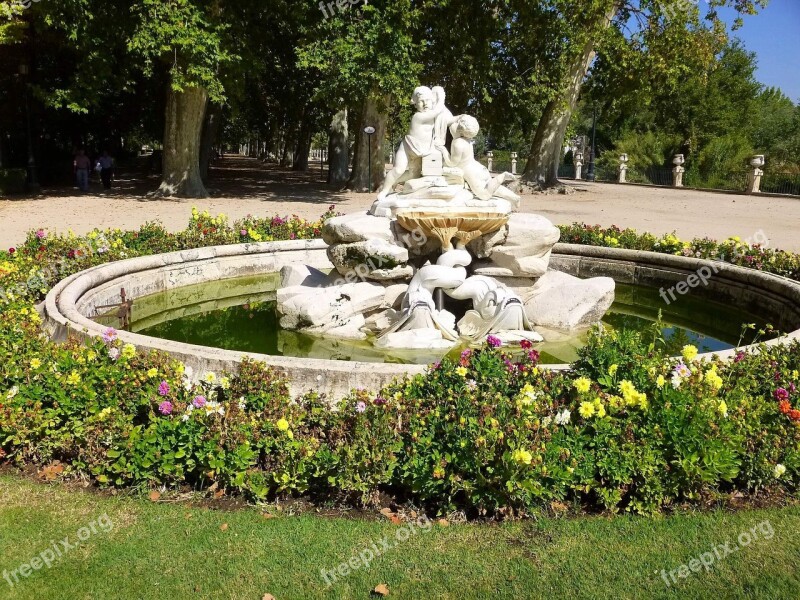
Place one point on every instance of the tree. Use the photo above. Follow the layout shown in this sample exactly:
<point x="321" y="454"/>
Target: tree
<point x="184" y="37"/>
<point x="581" y="28"/>
<point x="369" y="56"/>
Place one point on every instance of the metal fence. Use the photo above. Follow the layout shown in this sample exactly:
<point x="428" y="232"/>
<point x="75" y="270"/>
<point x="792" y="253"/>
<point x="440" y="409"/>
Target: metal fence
<point x="650" y="175"/>
<point x="781" y="183"/>
<point x="721" y="180"/>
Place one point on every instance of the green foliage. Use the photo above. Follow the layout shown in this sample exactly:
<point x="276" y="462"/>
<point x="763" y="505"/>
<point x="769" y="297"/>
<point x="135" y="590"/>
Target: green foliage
<point x="12" y="181"/>
<point x="185" y="36"/>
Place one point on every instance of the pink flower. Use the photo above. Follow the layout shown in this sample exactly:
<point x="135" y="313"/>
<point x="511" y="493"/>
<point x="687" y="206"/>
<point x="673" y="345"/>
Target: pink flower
<point x="525" y="344"/>
<point x="110" y="335"/>
<point x="163" y="389"/>
<point x="739" y="357"/>
<point x="165" y="408"/>
<point x="113" y="353"/>
<point x="41" y="234"/>
<point x="360" y="406"/>
<point x="199" y="401"/>
<point x="243" y="232"/>
<point x="494" y="342"/>
<point x="533" y="356"/>
<point x="781" y="394"/>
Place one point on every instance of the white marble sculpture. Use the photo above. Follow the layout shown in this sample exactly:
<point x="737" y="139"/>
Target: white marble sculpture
<point x="447" y="197"/>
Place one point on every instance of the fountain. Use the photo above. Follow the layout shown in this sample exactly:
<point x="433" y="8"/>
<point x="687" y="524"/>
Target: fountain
<point x="450" y="237"/>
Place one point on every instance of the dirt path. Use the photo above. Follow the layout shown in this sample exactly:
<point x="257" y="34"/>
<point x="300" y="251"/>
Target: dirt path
<point x="241" y="186"/>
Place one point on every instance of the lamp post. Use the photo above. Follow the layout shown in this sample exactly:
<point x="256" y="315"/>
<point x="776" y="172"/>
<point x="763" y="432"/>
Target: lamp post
<point x="369" y="130"/>
<point x="24" y="71"/>
<point x="590" y="175"/>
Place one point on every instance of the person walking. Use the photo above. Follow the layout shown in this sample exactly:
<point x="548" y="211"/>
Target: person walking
<point x="106" y="164"/>
<point x="81" y="166"/>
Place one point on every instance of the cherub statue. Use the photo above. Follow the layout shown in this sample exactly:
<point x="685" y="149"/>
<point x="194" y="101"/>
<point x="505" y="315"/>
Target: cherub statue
<point x="426" y="134"/>
<point x="461" y="155"/>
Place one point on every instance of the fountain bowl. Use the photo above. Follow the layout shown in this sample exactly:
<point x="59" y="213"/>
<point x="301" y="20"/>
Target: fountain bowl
<point x="464" y="226"/>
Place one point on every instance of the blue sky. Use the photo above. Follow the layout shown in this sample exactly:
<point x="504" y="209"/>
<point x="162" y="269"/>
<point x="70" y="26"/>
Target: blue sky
<point x="774" y="35"/>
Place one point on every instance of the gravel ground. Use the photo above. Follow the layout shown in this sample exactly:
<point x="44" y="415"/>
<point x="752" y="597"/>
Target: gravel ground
<point x="241" y="186"/>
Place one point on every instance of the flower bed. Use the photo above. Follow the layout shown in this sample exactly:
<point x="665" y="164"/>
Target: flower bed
<point x="628" y="429"/>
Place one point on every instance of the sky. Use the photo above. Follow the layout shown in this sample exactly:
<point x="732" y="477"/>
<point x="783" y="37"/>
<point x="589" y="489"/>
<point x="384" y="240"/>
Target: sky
<point x="774" y="35"/>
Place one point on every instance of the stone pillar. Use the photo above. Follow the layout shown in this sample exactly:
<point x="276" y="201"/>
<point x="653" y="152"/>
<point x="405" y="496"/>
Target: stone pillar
<point x="678" y="170"/>
<point x="489" y="157"/>
<point x="578" y="159"/>
<point x="513" y="163"/>
<point x="623" y="167"/>
<point x="754" y="176"/>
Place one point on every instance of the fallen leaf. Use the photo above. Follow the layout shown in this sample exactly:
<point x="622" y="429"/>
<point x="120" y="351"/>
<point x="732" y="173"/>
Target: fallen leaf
<point x="188" y="515"/>
<point x="381" y="589"/>
<point x="267" y="515"/>
<point x="268" y="597"/>
<point x="443" y="522"/>
<point x="50" y="472"/>
<point x="154" y="496"/>
<point x="213" y="486"/>
<point x="413" y="514"/>
<point x="223" y="527"/>
<point x="386" y="512"/>
<point x="395" y="519"/>
<point x="219" y="494"/>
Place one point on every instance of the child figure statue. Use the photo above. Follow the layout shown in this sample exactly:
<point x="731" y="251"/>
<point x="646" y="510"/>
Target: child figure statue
<point x="476" y="176"/>
<point x="425" y="135"/>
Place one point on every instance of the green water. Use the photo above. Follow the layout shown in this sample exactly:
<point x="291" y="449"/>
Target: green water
<point x="239" y="314"/>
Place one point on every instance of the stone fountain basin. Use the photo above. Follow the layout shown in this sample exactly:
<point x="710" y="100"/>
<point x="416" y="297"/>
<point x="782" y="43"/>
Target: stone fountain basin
<point x="448" y="224"/>
<point x="70" y="304"/>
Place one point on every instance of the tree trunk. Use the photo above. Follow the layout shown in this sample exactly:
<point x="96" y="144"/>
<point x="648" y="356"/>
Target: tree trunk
<point x="374" y="113"/>
<point x="338" y="152"/>
<point x="182" y="131"/>
<point x="210" y="133"/>
<point x="548" y="141"/>
<point x="300" y="162"/>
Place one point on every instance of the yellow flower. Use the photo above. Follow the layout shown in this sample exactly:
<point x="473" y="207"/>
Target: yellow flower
<point x="74" y="378"/>
<point x="660" y="381"/>
<point x="615" y="401"/>
<point x="522" y="456"/>
<point x="612" y="370"/>
<point x="795" y="374"/>
<point x="586" y="409"/>
<point x="152" y="372"/>
<point x="723" y="408"/>
<point x="713" y="379"/>
<point x="210" y="377"/>
<point x="224" y="383"/>
<point x="35" y="363"/>
<point x="91" y="355"/>
<point x="128" y="351"/>
<point x="689" y="352"/>
<point x="282" y="424"/>
<point x="461" y="371"/>
<point x="582" y="384"/>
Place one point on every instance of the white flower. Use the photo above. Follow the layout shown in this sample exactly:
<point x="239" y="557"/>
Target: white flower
<point x="185" y="417"/>
<point x="676" y="381"/>
<point x="242" y="403"/>
<point x="209" y="377"/>
<point x="563" y="417"/>
<point x="779" y="470"/>
<point x="12" y="392"/>
<point x="546" y="421"/>
<point x="188" y="372"/>
<point x="224" y="383"/>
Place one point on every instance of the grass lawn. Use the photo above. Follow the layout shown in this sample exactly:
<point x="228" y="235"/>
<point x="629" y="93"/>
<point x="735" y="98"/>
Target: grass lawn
<point x="169" y="550"/>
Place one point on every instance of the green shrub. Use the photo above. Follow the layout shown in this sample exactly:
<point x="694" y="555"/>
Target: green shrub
<point x="12" y="181"/>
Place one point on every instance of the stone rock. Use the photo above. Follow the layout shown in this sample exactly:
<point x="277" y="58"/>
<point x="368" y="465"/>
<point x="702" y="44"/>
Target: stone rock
<point x="328" y="307"/>
<point x="358" y="227"/>
<point x="427" y="339"/>
<point x="389" y="206"/>
<point x="482" y="246"/>
<point x="398" y="272"/>
<point x="292" y="275"/>
<point x="394" y="295"/>
<point x="526" y="251"/>
<point x="365" y="257"/>
<point x="561" y="301"/>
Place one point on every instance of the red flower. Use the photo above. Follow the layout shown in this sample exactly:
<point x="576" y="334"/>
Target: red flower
<point x="784" y="407"/>
<point x="794" y="415"/>
<point x="12" y="250"/>
<point x="525" y="344"/>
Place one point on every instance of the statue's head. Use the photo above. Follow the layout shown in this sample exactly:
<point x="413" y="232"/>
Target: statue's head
<point x="467" y="127"/>
<point x="422" y="98"/>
